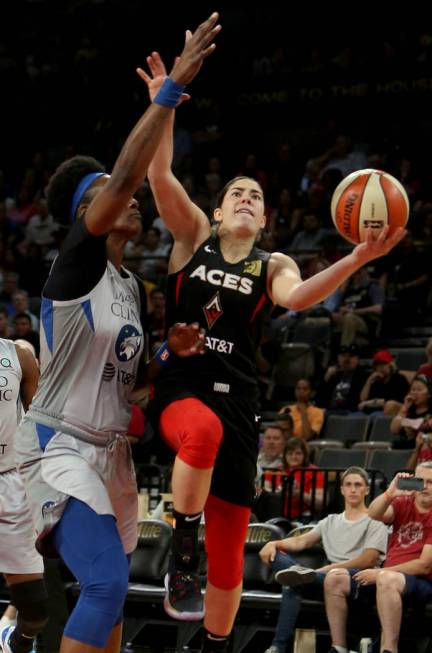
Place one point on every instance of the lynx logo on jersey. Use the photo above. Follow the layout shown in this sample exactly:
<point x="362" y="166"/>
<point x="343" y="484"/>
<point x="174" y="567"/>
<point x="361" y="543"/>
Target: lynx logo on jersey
<point x="128" y="343"/>
<point x="224" y="279"/>
<point x="213" y="310"/>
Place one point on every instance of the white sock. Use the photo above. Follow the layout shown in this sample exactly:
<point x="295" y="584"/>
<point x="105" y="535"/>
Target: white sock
<point x="340" y="649"/>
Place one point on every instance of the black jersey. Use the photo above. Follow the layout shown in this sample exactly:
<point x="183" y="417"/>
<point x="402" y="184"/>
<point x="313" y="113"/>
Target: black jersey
<point x="230" y="301"/>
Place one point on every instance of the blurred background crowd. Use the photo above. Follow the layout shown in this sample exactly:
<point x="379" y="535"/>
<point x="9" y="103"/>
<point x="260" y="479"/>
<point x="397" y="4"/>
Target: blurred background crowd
<point x="284" y="101"/>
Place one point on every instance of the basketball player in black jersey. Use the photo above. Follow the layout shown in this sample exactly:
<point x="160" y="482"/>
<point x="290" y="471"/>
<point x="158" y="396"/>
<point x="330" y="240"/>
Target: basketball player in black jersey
<point x="208" y="405"/>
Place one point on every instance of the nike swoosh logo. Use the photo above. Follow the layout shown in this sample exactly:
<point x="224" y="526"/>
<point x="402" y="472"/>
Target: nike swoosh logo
<point x="195" y="517"/>
<point x="208" y="249"/>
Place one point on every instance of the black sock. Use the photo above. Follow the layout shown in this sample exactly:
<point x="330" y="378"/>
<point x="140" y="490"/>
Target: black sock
<point x="19" y="643"/>
<point x="214" y="643"/>
<point x="185" y="541"/>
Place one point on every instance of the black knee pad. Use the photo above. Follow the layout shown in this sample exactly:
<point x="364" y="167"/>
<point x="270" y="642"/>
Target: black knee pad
<point x="31" y="601"/>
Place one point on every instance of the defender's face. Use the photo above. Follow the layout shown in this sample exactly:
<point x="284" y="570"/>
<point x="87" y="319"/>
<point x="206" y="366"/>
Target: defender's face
<point x="129" y="221"/>
<point x="242" y="210"/>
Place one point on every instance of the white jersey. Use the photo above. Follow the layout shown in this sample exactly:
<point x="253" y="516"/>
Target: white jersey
<point x="90" y="351"/>
<point x="10" y="406"/>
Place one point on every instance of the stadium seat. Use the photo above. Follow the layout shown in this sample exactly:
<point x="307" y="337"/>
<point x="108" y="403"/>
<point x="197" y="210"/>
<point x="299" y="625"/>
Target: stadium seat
<point x="409" y="358"/>
<point x="317" y="446"/>
<point x="343" y="458"/>
<point x="389" y="462"/>
<point x="371" y="445"/>
<point x="380" y="429"/>
<point x="347" y="428"/>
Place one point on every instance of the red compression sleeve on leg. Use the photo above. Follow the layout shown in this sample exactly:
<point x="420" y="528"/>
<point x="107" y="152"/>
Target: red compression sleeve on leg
<point x="226" y="527"/>
<point x="193" y="430"/>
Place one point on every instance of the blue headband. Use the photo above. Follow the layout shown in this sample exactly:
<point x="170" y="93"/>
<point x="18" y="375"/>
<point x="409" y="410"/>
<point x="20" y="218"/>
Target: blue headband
<point x="81" y="189"/>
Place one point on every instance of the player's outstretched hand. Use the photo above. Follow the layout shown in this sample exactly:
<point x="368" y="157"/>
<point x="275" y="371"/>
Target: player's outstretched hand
<point x="378" y="244"/>
<point x="157" y="76"/>
<point x="186" y="339"/>
<point x="198" y="46"/>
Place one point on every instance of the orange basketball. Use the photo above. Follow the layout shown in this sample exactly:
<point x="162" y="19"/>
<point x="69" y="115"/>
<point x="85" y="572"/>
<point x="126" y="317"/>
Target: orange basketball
<point x="368" y="198"/>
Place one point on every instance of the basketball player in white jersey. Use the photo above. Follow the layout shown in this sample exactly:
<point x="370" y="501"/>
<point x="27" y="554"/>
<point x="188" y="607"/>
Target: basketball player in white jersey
<point x="20" y="563"/>
<point x="72" y="447"/>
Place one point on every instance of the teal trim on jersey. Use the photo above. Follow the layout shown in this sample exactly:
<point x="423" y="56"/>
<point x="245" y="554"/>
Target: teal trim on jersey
<point x="47" y="315"/>
<point x="86" y="306"/>
<point x="45" y="434"/>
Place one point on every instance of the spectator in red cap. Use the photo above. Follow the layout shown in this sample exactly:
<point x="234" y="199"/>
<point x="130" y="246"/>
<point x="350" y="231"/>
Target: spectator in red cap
<point x="385" y="383"/>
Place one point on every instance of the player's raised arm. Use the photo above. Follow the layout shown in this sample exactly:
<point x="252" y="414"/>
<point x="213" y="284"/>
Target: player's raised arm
<point x="287" y="289"/>
<point x="186" y="221"/>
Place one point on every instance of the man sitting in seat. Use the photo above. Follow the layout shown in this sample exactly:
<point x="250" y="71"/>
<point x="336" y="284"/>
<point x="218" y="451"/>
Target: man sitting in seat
<point x="351" y="540"/>
<point x="407" y="570"/>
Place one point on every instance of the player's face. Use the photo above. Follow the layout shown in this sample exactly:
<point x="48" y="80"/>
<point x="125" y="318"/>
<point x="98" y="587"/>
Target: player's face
<point x="242" y="210"/>
<point x="129" y="222"/>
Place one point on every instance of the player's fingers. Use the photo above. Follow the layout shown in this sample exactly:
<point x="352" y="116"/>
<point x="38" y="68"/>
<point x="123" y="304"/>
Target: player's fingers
<point x="207" y="25"/>
<point x="158" y="64"/>
<point x="151" y="61"/>
<point x="146" y="78"/>
<point x="382" y="236"/>
<point x="205" y="53"/>
<point x="208" y="38"/>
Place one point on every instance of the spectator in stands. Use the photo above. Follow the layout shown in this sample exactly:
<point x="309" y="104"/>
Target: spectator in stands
<point x="20" y="304"/>
<point x="383" y="384"/>
<point x="307" y="418"/>
<point x="423" y="446"/>
<point x="308" y="240"/>
<point x="286" y="423"/>
<point x="154" y="253"/>
<point x="343" y="156"/>
<point x="414" y="411"/>
<point x="410" y="268"/>
<point x="407" y="570"/>
<point x="329" y="253"/>
<point x="271" y="454"/>
<point x="343" y="382"/>
<point x="358" y="315"/>
<point x="350" y="540"/>
<point x="41" y="226"/>
<point x="22" y="329"/>
<point x="10" y="285"/>
<point x="305" y="488"/>
<point x="156" y="318"/>
<point x="426" y="368"/>
<point x="5" y="330"/>
<point x="284" y="220"/>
